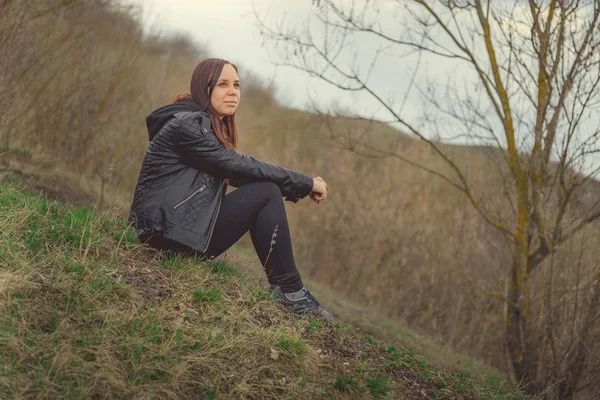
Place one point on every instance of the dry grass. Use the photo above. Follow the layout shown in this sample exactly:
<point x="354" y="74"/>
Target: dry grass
<point x="85" y="312"/>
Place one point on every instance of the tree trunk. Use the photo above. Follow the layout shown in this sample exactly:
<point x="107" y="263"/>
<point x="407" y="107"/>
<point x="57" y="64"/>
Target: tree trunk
<point x="521" y="338"/>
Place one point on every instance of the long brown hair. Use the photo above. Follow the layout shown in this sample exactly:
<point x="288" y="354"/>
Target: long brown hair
<point x="204" y="79"/>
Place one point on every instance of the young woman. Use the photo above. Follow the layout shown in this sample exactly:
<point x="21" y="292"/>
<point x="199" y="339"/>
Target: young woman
<point x="180" y="203"/>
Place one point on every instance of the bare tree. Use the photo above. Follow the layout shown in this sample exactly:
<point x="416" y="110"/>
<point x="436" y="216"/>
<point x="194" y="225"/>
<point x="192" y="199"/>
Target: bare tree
<point x="533" y="93"/>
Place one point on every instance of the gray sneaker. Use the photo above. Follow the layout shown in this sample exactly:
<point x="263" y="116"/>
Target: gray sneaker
<point x="305" y="304"/>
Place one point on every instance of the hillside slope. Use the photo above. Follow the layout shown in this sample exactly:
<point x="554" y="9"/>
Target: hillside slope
<point x="404" y="244"/>
<point x="86" y="312"/>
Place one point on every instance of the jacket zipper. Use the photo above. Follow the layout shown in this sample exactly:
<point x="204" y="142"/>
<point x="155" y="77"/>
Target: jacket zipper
<point x="182" y="202"/>
<point x="210" y="231"/>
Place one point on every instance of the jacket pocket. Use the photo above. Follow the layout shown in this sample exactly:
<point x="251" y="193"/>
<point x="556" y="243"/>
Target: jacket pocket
<point x="182" y="202"/>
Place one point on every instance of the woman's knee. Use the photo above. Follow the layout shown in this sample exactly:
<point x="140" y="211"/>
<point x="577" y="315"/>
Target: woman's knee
<point x="268" y="189"/>
<point x="265" y="192"/>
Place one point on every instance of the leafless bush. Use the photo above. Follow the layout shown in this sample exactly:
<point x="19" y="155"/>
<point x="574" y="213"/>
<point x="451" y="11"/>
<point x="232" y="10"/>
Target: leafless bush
<point x="79" y="79"/>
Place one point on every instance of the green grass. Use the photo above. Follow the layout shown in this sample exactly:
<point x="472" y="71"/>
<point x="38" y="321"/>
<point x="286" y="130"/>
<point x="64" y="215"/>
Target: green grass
<point x="291" y="344"/>
<point x="174" y="261"/>
<point x="314" y="325"/>
<point x="379" y="385"/>
<point x="223" y="268"/>
<point x="87" y="312"/>
<point x="206" y="295"/>
<point x="345" y="383"/>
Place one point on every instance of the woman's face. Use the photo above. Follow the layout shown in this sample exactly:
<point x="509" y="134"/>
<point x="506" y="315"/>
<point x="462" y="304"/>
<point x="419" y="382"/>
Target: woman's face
<point x="225" y="97"/>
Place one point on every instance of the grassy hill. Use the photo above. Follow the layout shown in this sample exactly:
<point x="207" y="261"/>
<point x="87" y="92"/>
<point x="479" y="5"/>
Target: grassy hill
<point x="87" y="312"/>
<point x="81" y="76"/>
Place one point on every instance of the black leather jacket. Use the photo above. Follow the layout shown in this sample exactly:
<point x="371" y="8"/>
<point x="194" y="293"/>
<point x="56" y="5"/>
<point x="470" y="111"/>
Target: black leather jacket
<point x="181" y="183"/>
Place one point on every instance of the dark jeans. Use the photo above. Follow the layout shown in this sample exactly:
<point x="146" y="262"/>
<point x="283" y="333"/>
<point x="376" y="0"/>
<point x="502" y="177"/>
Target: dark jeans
<point x="258" y="208"/>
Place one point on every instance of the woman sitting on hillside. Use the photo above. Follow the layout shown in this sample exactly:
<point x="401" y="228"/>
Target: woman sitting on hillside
<point x="180" y="203"/>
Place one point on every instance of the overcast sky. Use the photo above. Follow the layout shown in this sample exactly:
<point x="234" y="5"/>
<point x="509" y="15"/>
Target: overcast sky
<point x="227" y="29"/>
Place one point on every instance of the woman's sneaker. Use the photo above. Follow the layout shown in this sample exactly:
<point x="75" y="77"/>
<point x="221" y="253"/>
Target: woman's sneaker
<point x="305" y="303"/>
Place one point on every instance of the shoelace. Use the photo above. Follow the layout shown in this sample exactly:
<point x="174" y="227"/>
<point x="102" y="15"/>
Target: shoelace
<point x="311" y="298"/>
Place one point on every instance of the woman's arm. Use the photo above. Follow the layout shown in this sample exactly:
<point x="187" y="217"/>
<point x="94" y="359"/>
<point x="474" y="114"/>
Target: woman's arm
<point x="201" y="149"/>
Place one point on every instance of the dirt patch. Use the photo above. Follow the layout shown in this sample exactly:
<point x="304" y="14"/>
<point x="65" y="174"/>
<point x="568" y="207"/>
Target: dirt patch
<point x="264" y="316"/>
<point x="56" y="188"/>
<point x="153" y="285"/>
<point x="40" y="175"/>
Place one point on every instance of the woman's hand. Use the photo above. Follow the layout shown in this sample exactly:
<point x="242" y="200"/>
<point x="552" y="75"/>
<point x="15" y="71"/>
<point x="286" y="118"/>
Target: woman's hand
<point x="319" y="191"/>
